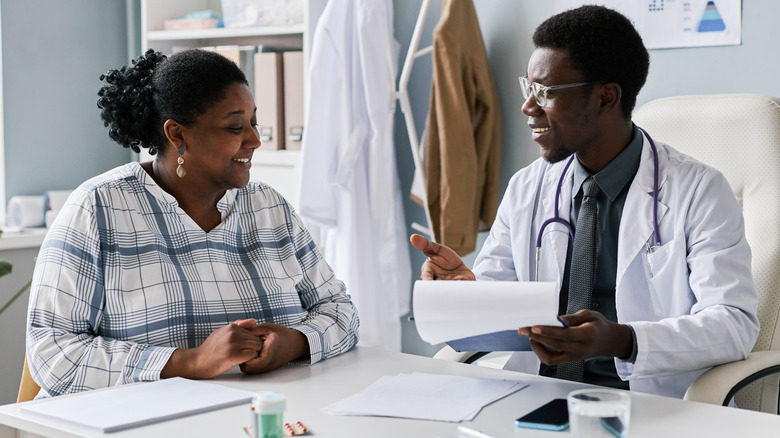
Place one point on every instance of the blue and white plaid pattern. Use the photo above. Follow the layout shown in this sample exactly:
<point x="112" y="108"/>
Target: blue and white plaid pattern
<point x="124" y="277"/>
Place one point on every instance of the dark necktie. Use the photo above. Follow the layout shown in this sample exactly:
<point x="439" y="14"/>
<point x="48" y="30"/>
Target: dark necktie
<point x="583" y="268"/>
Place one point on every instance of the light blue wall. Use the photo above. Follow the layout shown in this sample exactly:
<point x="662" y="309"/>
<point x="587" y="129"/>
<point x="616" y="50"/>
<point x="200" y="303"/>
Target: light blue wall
<point x="53" y="54"/>
<point x="13" y="320"/>
<point x="507" y="25"/>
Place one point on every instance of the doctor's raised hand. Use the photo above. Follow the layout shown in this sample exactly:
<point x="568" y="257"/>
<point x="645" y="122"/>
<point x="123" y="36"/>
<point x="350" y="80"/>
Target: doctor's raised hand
<point x="443" y="263"/>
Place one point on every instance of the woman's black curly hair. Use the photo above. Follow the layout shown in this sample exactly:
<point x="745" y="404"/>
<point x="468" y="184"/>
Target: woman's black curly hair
<point x="602" y="44"/>
<point x="140" y="97"/>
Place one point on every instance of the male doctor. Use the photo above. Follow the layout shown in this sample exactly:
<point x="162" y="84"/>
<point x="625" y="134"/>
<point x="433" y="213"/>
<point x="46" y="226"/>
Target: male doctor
<point x="656" y="315"/>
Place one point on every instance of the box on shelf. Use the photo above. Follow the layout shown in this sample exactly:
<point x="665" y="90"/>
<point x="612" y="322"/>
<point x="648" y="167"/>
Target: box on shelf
<point x="269" y="95"/>
<point x="247" y="13"/>
<point x="292" y="63"/>
<point x="190" y="23"/>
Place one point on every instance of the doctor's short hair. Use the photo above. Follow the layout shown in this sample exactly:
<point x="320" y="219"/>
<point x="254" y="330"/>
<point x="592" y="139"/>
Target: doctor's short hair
<point x="140" y="97"/>
<point x="602" y="44"/>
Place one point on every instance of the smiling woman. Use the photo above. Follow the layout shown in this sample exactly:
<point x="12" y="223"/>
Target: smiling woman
<point x="180" y="266"/>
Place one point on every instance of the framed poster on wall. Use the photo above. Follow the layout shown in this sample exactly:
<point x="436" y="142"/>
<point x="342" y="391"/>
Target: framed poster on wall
<point x="666" y="24"/>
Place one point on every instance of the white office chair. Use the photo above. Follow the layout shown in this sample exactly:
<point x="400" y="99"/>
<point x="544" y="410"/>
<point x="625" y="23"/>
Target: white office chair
<point x="738" y="134"/>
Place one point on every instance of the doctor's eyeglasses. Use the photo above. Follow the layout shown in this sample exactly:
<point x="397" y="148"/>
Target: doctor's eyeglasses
<point x="539" y="92"/>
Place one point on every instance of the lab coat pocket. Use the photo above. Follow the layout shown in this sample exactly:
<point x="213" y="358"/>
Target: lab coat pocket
<point x="667" y="277"/>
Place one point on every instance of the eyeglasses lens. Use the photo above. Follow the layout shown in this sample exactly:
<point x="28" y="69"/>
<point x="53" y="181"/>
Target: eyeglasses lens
<point x="533" y="89"/>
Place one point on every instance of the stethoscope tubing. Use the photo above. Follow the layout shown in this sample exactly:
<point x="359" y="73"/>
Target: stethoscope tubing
<point x="558" y="219"/>
<point x="656" y="232"/>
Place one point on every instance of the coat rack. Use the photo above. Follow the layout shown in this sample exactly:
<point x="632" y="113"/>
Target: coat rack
<point x="406" y="109"/>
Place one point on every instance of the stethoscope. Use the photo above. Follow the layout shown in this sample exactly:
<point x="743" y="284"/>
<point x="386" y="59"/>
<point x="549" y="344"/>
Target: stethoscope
<point x="558" y="219"/>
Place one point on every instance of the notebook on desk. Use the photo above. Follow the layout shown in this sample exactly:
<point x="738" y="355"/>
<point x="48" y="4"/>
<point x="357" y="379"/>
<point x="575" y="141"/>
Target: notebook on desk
<point x="124" y="407"/>
<point x="483" y="315"/>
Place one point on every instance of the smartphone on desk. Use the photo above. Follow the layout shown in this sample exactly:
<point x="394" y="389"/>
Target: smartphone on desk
<point x="553" y="415"/>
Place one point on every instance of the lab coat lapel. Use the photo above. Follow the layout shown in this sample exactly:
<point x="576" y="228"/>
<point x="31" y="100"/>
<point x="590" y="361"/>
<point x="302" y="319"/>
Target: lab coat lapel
<point x="555" y="241"/>
<point x="636" y="224"/>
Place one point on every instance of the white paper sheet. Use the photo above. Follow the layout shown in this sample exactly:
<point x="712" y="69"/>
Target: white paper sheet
<point x="425" y="397"/>
<point x="449" y="310"/>
<point x="124" y="407"/>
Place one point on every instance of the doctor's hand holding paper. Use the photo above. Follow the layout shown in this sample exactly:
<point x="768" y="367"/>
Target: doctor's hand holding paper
<point x="588" y="333"/>
<point x="646" y="245"/>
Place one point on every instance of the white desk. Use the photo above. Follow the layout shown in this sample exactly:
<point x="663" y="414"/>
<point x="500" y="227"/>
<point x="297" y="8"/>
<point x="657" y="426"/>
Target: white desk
<point x="309" y="388"/>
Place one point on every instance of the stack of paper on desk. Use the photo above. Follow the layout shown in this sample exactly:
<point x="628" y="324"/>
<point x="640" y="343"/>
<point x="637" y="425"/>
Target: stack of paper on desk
<point x="124" y="407"/>
<point x="425" y="397"/>
<point x="483" y="315"/>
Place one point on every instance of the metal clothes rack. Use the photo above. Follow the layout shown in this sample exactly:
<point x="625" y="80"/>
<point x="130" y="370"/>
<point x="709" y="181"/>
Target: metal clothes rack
<point x="406" y="109"/>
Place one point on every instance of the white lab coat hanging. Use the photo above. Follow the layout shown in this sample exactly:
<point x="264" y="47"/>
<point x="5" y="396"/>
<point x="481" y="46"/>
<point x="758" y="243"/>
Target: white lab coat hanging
<point x="349" y="185"/>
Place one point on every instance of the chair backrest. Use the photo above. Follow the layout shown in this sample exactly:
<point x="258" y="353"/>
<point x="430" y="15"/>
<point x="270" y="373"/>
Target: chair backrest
<point x="738" y="134"/>
<point x="28" y="389"/>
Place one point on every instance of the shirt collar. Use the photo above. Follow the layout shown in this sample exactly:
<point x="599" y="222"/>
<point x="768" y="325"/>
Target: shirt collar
<point x="613" y="178"/>
<point x="223" y="205"/>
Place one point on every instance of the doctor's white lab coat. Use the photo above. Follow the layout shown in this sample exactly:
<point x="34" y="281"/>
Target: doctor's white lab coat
<point x="349" y="185"/>
<point x="691" y="302"/>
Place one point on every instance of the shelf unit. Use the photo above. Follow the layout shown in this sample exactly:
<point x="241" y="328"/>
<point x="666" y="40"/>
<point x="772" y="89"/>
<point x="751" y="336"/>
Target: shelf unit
<point x="281" y="168"/>
<point x="250" y="33"/>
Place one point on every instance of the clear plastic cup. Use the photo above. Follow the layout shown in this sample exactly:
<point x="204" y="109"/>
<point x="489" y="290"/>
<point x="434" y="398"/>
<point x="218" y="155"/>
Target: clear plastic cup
<point x="597" y="413"/>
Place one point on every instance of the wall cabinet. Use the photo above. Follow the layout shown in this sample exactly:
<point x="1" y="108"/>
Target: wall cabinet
<point x="279" y="168"/>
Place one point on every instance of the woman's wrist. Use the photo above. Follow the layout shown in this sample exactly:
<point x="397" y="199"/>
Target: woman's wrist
<point x="180" y="364"/>
<point x="304" y="348"/>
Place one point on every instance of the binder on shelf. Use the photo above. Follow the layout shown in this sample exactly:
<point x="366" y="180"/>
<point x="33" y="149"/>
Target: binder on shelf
<point x="269" y="97"/>
<point x="247" y="64"/>
<point x="293" y="99"/>
<point x="231" y="52"/>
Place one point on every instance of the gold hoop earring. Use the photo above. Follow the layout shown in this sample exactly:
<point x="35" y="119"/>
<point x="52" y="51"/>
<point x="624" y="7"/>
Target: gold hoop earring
<point x="180" y="170"/>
